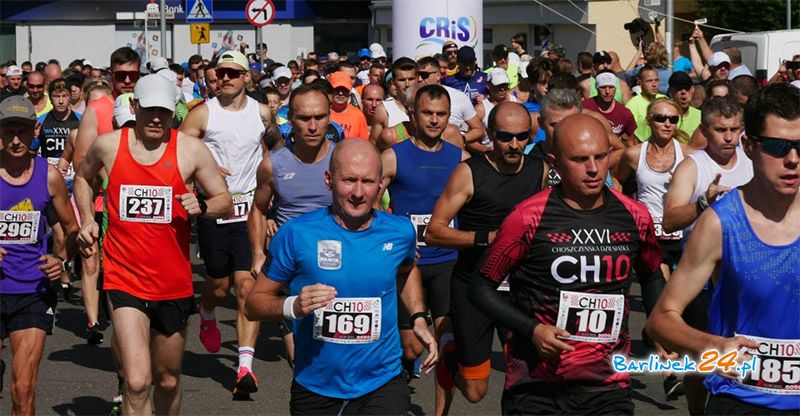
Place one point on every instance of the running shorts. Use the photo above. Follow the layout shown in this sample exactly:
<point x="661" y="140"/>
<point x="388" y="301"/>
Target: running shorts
<point x="30" y="310"/>
<point x="225" y="248"/>
<point x="166" y="316"/>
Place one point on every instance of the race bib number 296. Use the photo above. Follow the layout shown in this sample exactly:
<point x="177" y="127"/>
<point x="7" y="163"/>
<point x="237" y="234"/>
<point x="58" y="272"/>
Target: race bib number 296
<point x="349" y="321"/>
<point x="591" y="317"/>
<point x="144" y="203"/>
<point x="19" y="227"/>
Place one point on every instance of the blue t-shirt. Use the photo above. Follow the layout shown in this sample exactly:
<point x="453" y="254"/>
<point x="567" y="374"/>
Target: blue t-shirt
<point x="472" y="87"/>
<point x="533" y="107"/>
<point x="682" y="64"/>
<point x="756" y="295"/>
<point x="362" y="266"/>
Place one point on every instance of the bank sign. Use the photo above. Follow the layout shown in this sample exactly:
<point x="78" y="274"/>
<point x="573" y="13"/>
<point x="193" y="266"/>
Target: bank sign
<point x="420" y="28"/>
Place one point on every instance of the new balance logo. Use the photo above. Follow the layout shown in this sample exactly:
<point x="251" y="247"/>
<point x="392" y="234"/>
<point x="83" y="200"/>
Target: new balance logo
<point x="388" y="246"/>
<point x="288" y="176"/>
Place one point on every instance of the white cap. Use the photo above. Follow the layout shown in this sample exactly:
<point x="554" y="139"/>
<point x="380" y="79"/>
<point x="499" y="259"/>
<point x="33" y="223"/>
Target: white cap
<point x="796" y="84"/>
<point x="155" y="91"/>
<point x="87" y="62"/>
<point x="606" y="79"/>
<point x="13" y="71"/>
<point x="158" y="63"/>
<point x="333" y="56"/>
<point x="376" y="49"/>
<point x="636" y="89"/>
<point x="282" y="72"/>
<point x="719" y="57"/>
<point x="122" y="109"/>
<point x="498" y="76"/>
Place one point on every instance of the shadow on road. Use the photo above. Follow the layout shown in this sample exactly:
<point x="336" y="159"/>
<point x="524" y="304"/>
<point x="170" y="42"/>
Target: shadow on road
<point x="84" y="405"/>
<point x="88" y="356"/>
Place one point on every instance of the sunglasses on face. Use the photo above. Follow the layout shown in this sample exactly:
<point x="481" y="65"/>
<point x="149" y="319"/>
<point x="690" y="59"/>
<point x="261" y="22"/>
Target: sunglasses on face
<point x="451" y="52"/>
<point x="425" y="75"/>
<point x="662" y="118"/>
<point x="230" y="72"/>
<point x="775" y="146"/>
<point x="505" y="136"/>
<point x="35" y="86"/>
<point x="121" y="76"/>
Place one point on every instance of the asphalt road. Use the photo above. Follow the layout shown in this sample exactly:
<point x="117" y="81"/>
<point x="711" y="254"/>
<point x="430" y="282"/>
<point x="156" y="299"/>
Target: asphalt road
<point x="79" y="379"/>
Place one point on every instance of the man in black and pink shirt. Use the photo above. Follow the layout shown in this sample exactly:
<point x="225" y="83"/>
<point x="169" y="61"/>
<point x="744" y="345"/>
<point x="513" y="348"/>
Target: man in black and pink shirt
<point x="570" y="251"/>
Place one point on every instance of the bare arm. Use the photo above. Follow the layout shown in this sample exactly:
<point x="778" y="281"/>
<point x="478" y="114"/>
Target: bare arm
<point x="679" y="210"/>
<point x="389" y="160"/>
<point x="257" y="218"/>
<point x="628" y="163"/>
<point x="87" y="134"/>
<point x="195" y="123"/>
<point x="457" y="193"/>
<point x="476" y="130"/>
<point x="60" y="201"/>
<point x="379" y="122"/>
<point x="699" y="140"/>
<point x="697" y="62"/>
<point x="98" y="155"/>
<point x="218" y="199"/>
<point x="409" y="285"/>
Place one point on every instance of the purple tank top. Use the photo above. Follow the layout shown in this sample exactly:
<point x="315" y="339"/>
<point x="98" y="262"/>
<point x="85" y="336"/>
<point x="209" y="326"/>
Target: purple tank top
<point x="22" y="232"/>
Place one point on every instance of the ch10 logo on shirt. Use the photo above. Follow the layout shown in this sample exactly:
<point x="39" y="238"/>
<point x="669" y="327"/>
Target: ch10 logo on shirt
<point x="329" y="254"/>
<point x="19" y="227"/>
<point x="143" y="203"/>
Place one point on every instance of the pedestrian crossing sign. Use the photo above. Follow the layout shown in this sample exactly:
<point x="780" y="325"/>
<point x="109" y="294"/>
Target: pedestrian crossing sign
<point x="200" y="33"/>
<point x="199" y="11"/>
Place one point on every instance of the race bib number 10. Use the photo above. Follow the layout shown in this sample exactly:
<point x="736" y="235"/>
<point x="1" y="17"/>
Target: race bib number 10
<point x="349" y="321"/>
<point x="241" y="207"/>
<point x="143" y="203"/>
<point x="19" y="227"/>
<point x="591" y="317"/>
<point x="777" y="366"/>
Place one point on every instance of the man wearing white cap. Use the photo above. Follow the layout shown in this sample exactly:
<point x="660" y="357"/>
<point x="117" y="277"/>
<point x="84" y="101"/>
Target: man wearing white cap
<point x="498" y="84"/>
<point x="14" y="79"/>
<point x="152" y="170"/>
<point x="621" y="119"/>
<point x="232" y="126"/>
<point x="377" y="53"/>
<point x="719" y="66"/>
<point x="282" y="80"/>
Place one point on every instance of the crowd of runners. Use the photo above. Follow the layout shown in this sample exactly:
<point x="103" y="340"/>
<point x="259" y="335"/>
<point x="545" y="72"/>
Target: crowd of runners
<point x="392" y="216"/>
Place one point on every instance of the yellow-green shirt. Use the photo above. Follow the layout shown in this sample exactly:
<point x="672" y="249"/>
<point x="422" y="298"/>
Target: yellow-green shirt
<point x="638" y="106"/>
<point x="689" y="123"/>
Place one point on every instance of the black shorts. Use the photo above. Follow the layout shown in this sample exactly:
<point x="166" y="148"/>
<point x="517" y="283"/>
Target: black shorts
<point x="557" y="399"/>
<point x="225" y="248"/>
<point x="30" y="310"/>
<point x="670" y="252"/>
<point x="436" y="283"/>
<point x="472" y="330"/>
<point x="166" y="316"/>
<point x="723" y="404"/>
<point x="390" y="399"/>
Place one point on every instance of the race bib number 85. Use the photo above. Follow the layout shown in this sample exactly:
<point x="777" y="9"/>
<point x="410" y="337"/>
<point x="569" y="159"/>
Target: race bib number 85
<point x="349" y="321"/>
<point x="591" y="317"/>
<point x="777" y="366"/>
<point x="19" y="227"/>
<point x="143" y="203"/>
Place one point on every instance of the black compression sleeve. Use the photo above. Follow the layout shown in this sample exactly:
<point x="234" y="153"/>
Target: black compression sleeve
<point x="483" y="294"/>
<point x="652" y="286"/>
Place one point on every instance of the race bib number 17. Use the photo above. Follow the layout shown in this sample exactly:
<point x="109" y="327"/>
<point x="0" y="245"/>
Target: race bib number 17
<point x="777" y="366"/>
<point x="241" y="207"/>
<point x="590" y="317"/>
<point x="19" y="227"/>
<point x="349" y="321"/>
<point x="143" y="203"/>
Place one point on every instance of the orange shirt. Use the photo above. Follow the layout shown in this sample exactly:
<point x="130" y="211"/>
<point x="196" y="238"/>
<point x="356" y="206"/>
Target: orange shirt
<point x="352" y="121"/>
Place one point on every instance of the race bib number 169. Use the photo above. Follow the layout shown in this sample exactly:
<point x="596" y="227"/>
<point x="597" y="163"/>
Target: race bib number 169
<point x="590" y="317"/>
<point x="349" y="321"/>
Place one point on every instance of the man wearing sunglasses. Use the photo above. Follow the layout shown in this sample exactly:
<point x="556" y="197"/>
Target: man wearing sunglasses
<point x="481" y="191"/>
<point x="450" y="51"/>
<point x="748" y="246"/>
<point x="469" y="79"/>
<point x="233" y="126"/>
<point x="462" y="113"/>
<point x="551" y="246"/>
<point x="35" y="86"/>
<point x="415" y="173"/>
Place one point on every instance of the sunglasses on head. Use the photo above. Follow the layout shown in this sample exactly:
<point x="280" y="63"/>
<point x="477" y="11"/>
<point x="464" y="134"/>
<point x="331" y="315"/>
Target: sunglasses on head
<point x="424" y="74"/>
<point x="662" y="118"/>
<point x="505" y="136"/>
<point x="230" y="72"/>
<point x="120" y="76"/>
<point x="775" y="146"/>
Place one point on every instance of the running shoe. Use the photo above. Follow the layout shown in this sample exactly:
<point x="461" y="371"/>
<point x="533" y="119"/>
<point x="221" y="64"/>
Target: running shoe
<point x="246" y="383"/>
<point x="210" y="336"/>
<point x="94" y="335"/>
<point x="673" y="387"/>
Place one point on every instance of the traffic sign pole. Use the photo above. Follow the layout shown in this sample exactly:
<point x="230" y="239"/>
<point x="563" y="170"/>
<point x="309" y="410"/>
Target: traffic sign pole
<point x="163" y="29"/>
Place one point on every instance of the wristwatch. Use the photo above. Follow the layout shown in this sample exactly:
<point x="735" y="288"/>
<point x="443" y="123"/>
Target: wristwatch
<point x="417" y="315"/>
<point x="203" y="205"/>
<point x="702" y="203"/>
<point x="64" y="263"/>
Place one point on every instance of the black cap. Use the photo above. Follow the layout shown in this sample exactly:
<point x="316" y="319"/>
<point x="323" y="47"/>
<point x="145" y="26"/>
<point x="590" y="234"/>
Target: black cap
<point x="500" y="51"/>
<point x="680" y="80"/>
<point x="466" y="54"/>
<point x="600" y="58"/>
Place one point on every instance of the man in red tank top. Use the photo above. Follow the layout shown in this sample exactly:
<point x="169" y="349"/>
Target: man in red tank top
<point x="150" y="199"/>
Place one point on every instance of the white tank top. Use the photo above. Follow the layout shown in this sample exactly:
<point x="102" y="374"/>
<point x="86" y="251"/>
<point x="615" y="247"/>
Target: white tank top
<point x="707" y="170"/>
<point x="234" y="138"/>
<point x="396" y="115"/>
<point x="653" y="188"/>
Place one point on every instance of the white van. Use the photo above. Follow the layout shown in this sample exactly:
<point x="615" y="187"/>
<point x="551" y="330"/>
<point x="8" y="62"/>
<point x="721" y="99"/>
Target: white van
<point x="761" y="51"/>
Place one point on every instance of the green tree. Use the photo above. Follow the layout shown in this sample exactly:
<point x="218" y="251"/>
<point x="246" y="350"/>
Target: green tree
<point x="748" y="15"/>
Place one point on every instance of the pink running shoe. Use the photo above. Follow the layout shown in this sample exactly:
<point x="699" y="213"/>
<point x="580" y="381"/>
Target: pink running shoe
<point x="210" y="336"/>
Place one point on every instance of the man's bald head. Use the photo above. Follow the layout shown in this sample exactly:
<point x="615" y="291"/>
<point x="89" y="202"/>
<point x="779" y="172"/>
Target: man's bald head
<point x="577" y="129"/>
<point x="509" y="112"/>
<point x="354" y="151"/>
<point x="52" y="71"/>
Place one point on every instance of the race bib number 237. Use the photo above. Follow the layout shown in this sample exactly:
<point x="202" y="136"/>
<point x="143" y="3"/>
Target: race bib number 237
<point x="144" y="203"/>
